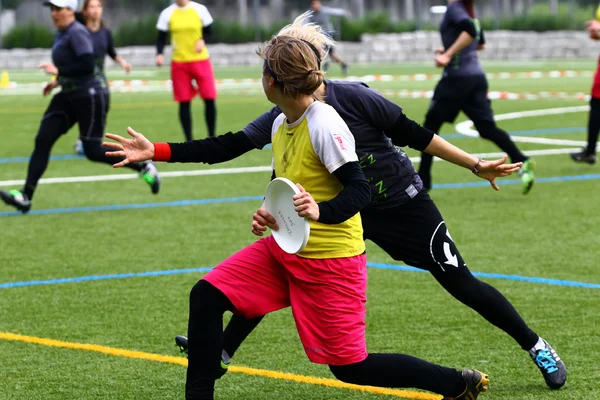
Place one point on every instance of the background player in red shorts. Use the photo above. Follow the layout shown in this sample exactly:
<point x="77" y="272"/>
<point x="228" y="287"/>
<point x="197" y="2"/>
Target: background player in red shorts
<point x="588" y="154"/>
<point x="190" y="25"/>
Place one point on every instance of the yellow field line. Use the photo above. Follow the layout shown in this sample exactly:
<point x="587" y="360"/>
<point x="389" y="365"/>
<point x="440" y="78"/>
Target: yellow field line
<point x="311" y="380"/>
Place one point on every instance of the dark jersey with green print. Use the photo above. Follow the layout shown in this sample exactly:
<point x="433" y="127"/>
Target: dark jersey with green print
<point x="103" y="45"/>
<point x="368" y="114"/>
<point x="466" y="62"/>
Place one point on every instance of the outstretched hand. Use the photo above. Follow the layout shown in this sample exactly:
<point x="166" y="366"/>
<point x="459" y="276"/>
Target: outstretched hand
<point x="137" y="149"/>
<point x="490" y="170"/>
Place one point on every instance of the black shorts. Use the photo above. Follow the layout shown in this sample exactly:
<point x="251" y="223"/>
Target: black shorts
<point x="455" y="94"/>
<point x="85" y="107"/>
<point x="415" y="233"/>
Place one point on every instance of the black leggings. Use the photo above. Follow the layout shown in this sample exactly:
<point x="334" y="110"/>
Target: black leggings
<point x="593" y="125"/>
<point x="185" y="117"/>
<point x="85" y="107"/>
<point x="415" y="233"/>
<point x="487" y="130"/>
<point x="205" y="334"/>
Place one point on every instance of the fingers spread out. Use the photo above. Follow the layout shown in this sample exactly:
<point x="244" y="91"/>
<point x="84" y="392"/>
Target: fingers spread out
<point x="132" y="132"/>
<point x="499" y="161"/>
<point x="120" y="164"/>
<point x="114" y="137"/>
<point x="115" y="154"/>
<point x="112" y="145"/>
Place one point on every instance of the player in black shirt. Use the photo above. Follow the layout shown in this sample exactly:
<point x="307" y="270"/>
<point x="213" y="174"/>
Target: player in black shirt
<point x="102" y="39"/>
<point x="464" y="87"/>
<point x="81" y="100"/>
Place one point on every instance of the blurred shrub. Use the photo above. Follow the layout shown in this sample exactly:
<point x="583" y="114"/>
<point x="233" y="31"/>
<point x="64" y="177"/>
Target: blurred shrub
<point x="28" y="37"/>
<point x="136" y="33"/>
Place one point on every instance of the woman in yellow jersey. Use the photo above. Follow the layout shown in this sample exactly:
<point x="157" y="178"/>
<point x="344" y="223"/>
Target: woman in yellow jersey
<point x="190" y="26"/>
<point x="325" y="284"/>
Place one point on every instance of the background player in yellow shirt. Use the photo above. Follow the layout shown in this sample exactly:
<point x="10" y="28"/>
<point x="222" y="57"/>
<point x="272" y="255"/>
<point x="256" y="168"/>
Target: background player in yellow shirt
<point x="190" y="25"/>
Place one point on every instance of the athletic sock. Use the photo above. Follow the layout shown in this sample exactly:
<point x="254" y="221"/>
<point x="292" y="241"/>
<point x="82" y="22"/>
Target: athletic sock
<point x="185" y="117"/>
<point x="593" y="126"/>
<point x="210" y="114"/>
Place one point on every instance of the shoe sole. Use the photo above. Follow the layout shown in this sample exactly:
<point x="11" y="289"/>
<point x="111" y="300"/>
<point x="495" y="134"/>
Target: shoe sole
<point x="527" y="188"/>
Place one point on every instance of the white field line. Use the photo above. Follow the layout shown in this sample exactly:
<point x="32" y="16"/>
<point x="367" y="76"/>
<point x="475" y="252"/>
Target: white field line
<point x="243" y="170"/>
<point x="465" y="128"/>
<point x="123" y="177"/>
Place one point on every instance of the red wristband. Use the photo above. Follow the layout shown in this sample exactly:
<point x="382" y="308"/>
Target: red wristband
<point x="162" y="152"/>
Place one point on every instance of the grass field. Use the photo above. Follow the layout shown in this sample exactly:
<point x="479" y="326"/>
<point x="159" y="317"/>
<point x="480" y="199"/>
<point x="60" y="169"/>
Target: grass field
<point x="117" y="228"/>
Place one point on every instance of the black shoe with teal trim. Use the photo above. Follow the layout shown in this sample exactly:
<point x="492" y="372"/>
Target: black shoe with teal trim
<point x="17" y="199"/>
<point x="476" y="381"/>
<point x="182" y="343"/>
<point x="550" y="365"/>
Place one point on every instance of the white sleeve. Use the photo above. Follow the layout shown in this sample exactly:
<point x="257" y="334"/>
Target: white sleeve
<point x="163" y="20"/>
<point x="205" y="16"/>
<point x="334" y="144"/>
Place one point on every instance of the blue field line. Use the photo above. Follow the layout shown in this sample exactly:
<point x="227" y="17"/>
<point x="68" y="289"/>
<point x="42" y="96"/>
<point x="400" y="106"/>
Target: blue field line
<point x="61" y="157"/>
<point x="503" y="182"/>
<point x="404" y="268"/>
<point x="530" y="279"/>
<point x="116" y="207"/>
<point x="103" y="277"/>
<point x="532" y="132"/>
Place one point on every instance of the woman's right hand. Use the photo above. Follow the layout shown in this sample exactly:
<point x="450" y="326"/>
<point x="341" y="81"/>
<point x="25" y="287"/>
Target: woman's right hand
<point x="50" y="86"/>
<point x="160" y="60"/>
<point x="138" y="149"/>
<point x="261" y="220"/>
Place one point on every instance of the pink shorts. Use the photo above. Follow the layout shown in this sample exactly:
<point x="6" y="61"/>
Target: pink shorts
<point x="184" y="73"/>
<point x="327" y="296"/>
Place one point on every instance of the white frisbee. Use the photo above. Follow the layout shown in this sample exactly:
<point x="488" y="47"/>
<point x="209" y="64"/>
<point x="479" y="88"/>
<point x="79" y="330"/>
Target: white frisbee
<point x="437" y="9"/>
<point x="294" y="230"/>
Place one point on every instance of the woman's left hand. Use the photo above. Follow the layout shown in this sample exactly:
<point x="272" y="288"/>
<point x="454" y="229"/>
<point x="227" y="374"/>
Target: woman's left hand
<point x="49" y="87"/>
<point x="126" y="66"/>
<point x="305" y="205"/>
<point x="490" y="170"/>
<point x="49" y="68"/>
<point x="442" y="60"/>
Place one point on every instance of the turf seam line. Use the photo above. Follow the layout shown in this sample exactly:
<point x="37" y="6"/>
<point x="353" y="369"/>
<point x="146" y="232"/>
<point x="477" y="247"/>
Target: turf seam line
<point x="286" y="376"/>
